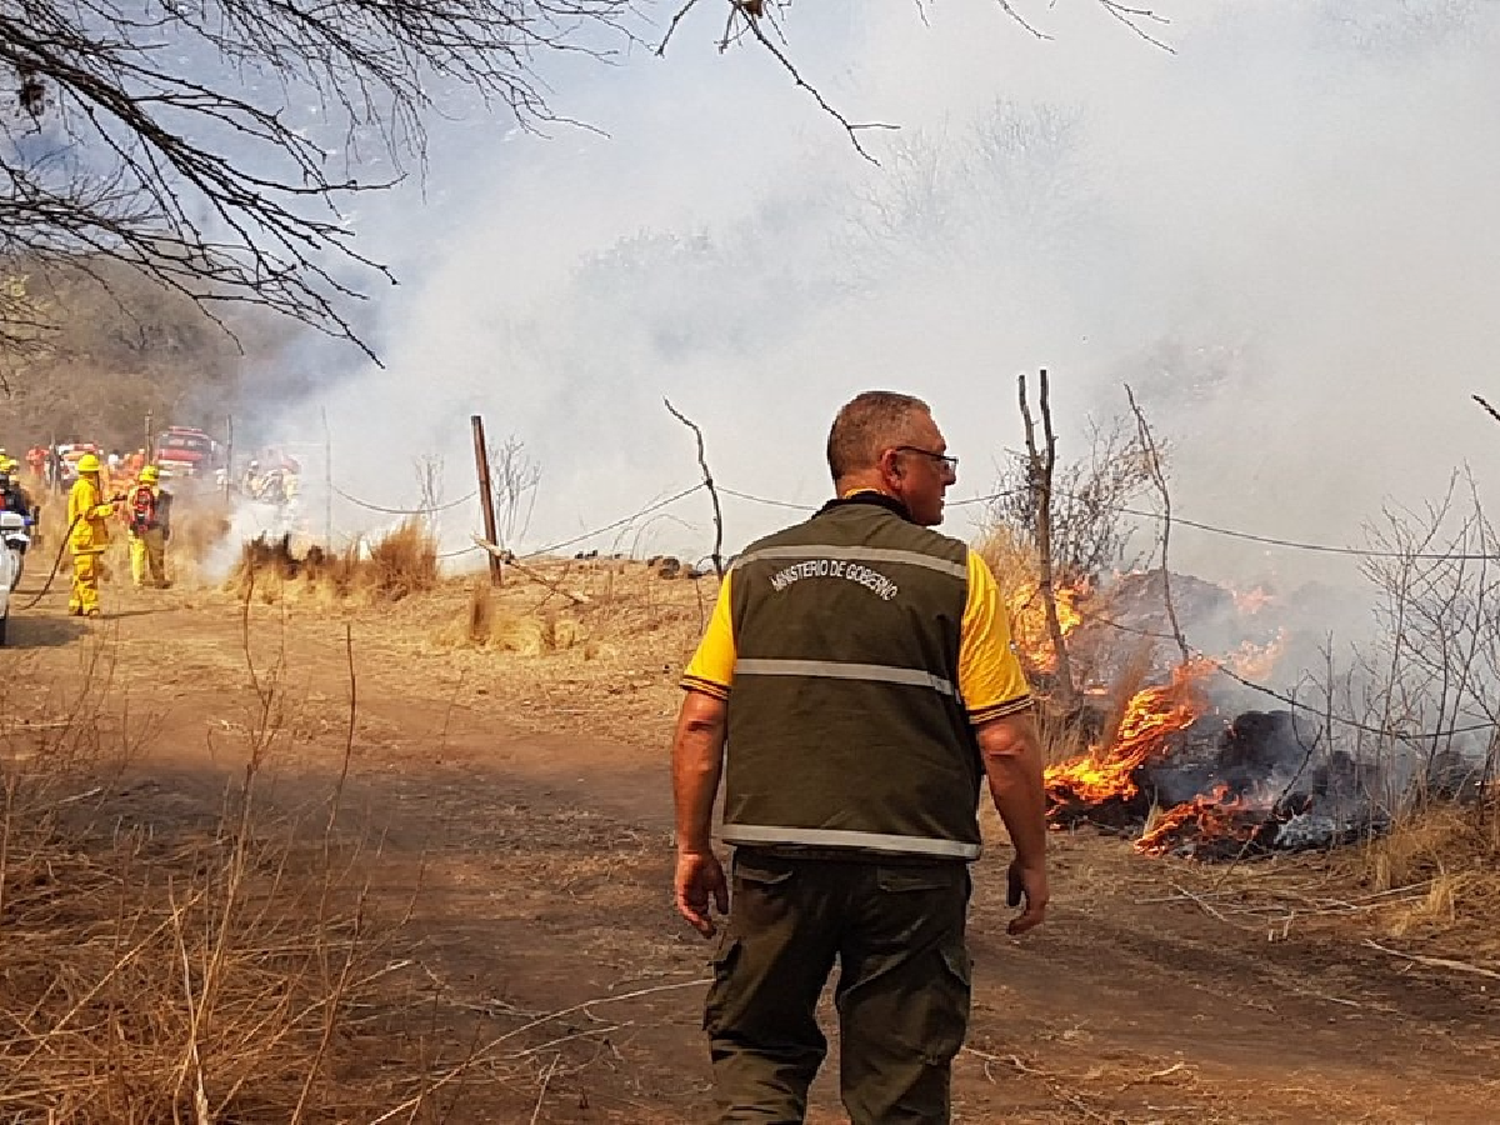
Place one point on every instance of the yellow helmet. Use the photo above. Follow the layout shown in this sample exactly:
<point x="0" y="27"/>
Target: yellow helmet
<point x="150" y="474"/>
<point x="88" y="463"/>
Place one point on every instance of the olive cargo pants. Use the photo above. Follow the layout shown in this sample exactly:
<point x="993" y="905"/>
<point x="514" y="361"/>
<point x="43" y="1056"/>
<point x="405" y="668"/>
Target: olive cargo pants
<point x="897" y="933"/>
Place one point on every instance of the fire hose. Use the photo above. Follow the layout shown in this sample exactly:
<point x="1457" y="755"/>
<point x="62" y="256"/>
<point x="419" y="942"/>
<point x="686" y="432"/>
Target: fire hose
<point x="61" y="549"/>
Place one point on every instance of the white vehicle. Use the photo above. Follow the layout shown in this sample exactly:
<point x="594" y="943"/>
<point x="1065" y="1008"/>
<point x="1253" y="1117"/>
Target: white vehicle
<point x="17" y="538"/>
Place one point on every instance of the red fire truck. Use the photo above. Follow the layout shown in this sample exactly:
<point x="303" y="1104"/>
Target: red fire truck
<point x="182" y="451"/>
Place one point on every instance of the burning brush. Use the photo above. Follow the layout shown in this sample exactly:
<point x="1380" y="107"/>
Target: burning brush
<point x="1199" y="784"/>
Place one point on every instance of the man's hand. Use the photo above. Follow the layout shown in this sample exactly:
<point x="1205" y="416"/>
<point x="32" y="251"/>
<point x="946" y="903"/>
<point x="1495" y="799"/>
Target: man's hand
<point x="700" y="877"/>
<point x="1027" y="883"/>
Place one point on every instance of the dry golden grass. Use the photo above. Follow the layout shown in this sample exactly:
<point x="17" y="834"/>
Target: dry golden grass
<point x="497" y="625"/>
<point x="402" y="563"/>
<point x="1451" y="851"/>
<point x="1433" y="841"/>
<point x="397" y="566"/>
<point x="1011" y="557"/>
<point x="1062" y="736"/>
<point x="214" y="966"/>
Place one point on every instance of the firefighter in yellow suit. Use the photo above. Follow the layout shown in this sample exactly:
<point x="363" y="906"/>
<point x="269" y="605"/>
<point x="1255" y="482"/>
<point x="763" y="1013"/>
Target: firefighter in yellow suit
<point x="88" y="521"/>
<point x="147" y="516"/>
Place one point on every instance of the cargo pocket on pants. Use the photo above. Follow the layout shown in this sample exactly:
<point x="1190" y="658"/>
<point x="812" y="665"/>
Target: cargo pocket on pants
<point x="722" y="965"/>
<point x="947" y="1013"/>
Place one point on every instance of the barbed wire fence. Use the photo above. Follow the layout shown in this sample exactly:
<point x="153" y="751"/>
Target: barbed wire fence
<point x="1282" y="542"/>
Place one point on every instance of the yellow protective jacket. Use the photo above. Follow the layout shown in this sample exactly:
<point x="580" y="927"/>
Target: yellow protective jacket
<point x="88" y="517"/>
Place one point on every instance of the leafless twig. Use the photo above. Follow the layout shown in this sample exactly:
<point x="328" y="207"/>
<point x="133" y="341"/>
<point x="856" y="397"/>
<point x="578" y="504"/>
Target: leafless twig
<point x="1159" y="476"/>
<point x="1436" y="962"/>
<point x="708" y="482"/>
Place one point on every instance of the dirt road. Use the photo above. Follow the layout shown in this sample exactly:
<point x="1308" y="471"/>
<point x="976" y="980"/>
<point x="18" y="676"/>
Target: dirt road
<point x="522" y="806"/>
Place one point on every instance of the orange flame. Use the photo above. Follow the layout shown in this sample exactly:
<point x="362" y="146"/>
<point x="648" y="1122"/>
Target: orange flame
<point x="1203" y="818"/>
<point x="1028" y="611"/>
<point x="1257" y="662"/>
<point x="1152" y="714"/>
<point x="1253" y="600"/>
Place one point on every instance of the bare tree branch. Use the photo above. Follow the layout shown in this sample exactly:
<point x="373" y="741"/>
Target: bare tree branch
<point x="1158" y="474"/>
<point x="117" y="143"/>
<point x="708" y="481"/>
<point x="1042" y="463"/>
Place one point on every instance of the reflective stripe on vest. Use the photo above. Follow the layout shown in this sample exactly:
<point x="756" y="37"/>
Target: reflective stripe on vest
<point x="833" y="670"/>
<point x="765" y="835"/>
<point x="857" y="554"/>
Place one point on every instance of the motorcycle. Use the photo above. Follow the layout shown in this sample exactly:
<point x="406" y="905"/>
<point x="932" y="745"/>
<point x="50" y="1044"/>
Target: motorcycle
<point x="15" y="533"/>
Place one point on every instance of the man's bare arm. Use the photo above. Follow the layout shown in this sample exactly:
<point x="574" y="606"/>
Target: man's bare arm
<point x="697" y="763"/>
<point x="1012" y="756"/>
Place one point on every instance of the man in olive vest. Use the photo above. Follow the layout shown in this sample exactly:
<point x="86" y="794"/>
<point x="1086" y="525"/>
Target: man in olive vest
<point x="858" y="668"/>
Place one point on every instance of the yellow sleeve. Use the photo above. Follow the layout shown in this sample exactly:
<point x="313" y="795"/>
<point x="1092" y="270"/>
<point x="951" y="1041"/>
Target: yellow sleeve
<point x="82" y="500"/>
<point x="989" y="675"/>
<point x="711" y="670"/>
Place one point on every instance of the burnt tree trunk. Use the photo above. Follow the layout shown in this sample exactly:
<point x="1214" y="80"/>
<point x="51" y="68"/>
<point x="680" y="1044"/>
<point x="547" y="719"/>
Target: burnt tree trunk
<point x="1040" y="464"/>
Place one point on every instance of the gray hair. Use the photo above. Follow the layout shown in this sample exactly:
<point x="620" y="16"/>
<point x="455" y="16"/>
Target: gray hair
<point x="868" y="424"/>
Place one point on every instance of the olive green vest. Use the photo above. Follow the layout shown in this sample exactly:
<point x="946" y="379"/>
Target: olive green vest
<point x="846" y="729"/>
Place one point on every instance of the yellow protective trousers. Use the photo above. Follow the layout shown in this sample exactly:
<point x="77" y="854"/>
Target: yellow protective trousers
<point x="85" y="596"/>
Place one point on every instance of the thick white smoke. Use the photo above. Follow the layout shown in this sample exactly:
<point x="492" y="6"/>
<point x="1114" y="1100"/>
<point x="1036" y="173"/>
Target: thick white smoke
<point x="1280" y="234"/>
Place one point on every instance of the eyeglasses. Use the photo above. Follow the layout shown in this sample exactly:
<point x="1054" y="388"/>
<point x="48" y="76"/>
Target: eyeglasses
<point x="949" y="463"/>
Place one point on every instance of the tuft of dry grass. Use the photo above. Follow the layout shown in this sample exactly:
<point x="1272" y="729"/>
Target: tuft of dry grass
<point x="1062" y="736"/>
<point x="1451" y="850"/>
<point x="495" y="624"/>
<point x="400" y="564"/>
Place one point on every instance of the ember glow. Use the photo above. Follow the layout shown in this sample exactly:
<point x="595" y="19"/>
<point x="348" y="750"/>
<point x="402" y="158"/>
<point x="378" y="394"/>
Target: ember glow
<point x="1212" y="817"/>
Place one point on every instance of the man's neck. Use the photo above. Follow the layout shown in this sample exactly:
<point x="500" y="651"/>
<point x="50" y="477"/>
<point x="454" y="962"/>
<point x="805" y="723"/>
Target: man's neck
<point x="872" y="496"/>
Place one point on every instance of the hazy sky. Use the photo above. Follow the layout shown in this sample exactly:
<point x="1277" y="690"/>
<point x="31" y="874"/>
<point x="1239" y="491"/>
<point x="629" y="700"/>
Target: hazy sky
<point x="1282" y="235"/>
